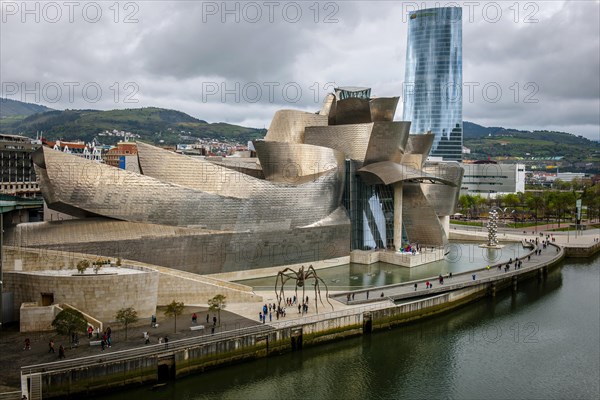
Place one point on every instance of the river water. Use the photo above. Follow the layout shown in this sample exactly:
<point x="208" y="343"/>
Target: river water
<point x="541" y="342"/>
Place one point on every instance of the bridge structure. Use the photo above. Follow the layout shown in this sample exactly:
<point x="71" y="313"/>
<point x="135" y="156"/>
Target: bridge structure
<point x="13" y="203"/>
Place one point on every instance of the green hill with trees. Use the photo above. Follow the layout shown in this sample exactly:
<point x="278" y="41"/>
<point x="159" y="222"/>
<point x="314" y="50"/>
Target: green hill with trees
<point x="159" y="125"/>
<point x="156" y="125"/>
<point x="12" y="108"/>
<point x="500" y="142"/>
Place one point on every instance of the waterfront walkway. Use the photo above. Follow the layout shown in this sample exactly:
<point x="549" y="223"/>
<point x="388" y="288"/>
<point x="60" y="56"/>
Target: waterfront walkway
<point x="403" y="291"/>
<point x="495" y="272"/>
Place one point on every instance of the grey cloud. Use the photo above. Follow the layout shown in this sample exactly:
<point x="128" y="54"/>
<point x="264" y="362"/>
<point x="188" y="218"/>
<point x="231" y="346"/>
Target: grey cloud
<point x="170" y="53"/>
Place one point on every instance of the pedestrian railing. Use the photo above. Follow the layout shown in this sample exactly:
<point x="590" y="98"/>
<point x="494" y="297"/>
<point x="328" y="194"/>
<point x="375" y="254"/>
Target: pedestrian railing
<point x="305" y="320"/>
<point x="146" y="350"/>
<point x="342" y="297"/>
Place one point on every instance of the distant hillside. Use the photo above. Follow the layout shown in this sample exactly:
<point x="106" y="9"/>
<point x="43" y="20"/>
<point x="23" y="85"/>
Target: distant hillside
<point x="502" y="142"/>
<point x="472" y="130"/>
<point x="11" y="108"/>
<point x="151" y="123"/>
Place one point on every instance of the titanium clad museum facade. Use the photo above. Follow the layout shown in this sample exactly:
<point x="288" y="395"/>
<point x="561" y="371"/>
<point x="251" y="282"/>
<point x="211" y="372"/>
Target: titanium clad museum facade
<point x="332" y="181"/>
<point x="433" y="78"/>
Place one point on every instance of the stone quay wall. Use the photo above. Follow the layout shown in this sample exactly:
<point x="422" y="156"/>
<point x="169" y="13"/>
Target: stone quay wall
<point x="582" y="251"/>
<point x="180" y="358"/>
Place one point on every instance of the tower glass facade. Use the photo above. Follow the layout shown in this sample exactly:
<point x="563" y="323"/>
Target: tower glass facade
<point x="433" y="78"/>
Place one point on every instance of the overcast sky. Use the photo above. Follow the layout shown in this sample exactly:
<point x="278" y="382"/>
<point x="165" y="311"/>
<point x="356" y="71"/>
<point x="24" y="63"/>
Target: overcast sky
<point x="239" y="62"/>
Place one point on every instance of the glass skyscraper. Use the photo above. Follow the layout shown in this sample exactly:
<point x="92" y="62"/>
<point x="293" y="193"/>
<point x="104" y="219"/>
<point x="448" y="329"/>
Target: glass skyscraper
<point x="433" y="78"/>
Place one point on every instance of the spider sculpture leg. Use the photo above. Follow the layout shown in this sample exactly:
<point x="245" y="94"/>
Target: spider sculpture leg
<point x="284" y="277"/>
<point x="317" y="279"/>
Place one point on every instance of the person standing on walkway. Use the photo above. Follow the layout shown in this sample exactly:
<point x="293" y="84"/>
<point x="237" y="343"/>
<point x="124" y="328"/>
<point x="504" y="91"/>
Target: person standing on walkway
<point x="90" y="330"/>
<point x="415" y="287"/>
<point x="61" y="352"/>
<point x="194" y="319"/>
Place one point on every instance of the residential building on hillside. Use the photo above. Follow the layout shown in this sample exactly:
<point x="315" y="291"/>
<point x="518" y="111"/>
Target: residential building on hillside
<point x="89" y="151"/>
<point x="113" y="157"/>
<point x="17" y="174"/>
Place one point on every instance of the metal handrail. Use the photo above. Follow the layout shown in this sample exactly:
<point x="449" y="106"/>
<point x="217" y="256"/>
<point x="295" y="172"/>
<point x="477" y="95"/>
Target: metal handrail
<point x="149" y="350"/>
<point x="410" y="283"/>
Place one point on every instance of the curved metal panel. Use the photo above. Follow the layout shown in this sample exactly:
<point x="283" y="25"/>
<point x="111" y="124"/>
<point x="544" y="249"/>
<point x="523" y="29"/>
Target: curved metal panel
<point x="368" y="143"/>
<point x="417" y="150"/>
<point x="419" y="218"/>
<point x="387" y="141"/>
<point x="247" y="166"/>
<point x="103" y="190"/>
<point x="352" y="110"/>
<point x="288" y="125"/>
<point x="351" y="140"/>
<point x="194" y="173"/>
<point x="444" y="198"/>
<point x="297" y="163"/>
<point x="389" y="172"/>
<point x="383" y="108"/>
<point x="328" y="105"/>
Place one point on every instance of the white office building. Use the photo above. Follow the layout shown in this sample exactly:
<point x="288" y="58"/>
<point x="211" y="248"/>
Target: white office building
<point x="489" y="179"/>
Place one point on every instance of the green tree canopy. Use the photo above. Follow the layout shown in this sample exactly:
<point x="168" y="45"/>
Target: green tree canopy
<point x="174" y="309"/>
<point x="217" y="304"/>
<point x="126" y="316"/>
<point x="69" y="321"/>
<point x="82" y="266"/>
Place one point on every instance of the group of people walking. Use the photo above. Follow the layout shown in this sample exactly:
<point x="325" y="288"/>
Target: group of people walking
<point x="61" y="349"/>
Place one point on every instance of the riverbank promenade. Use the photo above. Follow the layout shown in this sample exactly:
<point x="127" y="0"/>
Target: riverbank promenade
<point x="241" y="319"/>
<point x="529" y="261"/>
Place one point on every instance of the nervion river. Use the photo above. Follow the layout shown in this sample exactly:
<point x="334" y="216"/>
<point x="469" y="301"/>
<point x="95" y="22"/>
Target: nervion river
<point x="541" y="342"/>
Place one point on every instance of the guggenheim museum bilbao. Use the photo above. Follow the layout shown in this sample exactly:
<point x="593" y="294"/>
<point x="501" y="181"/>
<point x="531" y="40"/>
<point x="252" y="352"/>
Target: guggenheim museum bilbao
<point x="323" y="185"/>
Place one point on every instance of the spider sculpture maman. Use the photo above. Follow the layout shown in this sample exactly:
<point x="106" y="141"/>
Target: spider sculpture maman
<point x="301" y="276"/>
